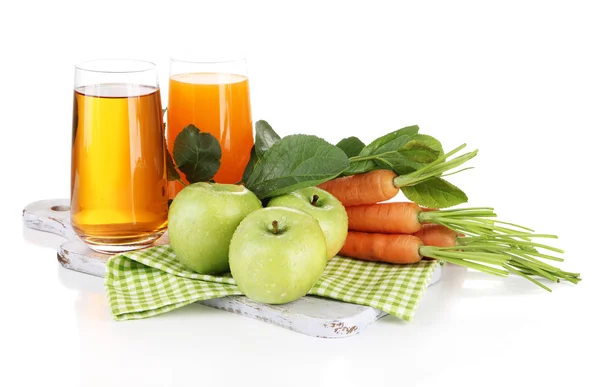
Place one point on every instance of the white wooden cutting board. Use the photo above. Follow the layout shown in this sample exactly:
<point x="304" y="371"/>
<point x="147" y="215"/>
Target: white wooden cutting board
<point x="309" y="315"/>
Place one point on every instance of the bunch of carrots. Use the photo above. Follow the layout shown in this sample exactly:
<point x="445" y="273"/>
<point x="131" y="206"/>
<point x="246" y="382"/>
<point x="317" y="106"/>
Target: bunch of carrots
<point x="404" y="233"/>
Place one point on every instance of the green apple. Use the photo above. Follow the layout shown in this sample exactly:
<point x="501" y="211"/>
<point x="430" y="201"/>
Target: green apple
<point x="277" y="254"/>
<point x="324" y="207"/>
<point x="202" y="220"/>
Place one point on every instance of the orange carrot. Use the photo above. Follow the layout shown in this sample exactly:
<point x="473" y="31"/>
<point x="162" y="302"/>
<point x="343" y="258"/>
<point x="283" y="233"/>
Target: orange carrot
<point x="409" y="218"/>
<point x="380" y="185"/>
<point x="382" y="247"/>
<point x="371" y="187"/>
<point x="436" y="235"/>
<point x="389" y="218"/>
<point x="490" y="254"/>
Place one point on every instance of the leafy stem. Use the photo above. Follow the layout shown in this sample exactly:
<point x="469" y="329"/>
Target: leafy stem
<point x="434" y="169"/>
<point x="480" y="234"/>
<point x="419" y="172"/>
<point x="378" y="157"/>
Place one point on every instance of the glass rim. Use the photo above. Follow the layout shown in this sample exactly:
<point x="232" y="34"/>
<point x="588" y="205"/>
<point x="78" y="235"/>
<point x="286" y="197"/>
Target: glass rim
<point x="143" y="66"/>
<point x="224" y="60"/>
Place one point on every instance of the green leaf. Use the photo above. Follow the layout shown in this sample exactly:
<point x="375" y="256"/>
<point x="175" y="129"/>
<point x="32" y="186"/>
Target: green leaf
<point x="419" y="152"/>
<point x="386" y="144"/>
<point x="361" y="167"/>
<point x="172" y="173"/>
<point x="295" y="162"/>
<point x="351" y="146"/>
<point x="412" y="156"/>
<point x="265" y="137"/>
<point x="435" y="193"/>
<point x="197" y="155"/>
<point x="250" y="165"/>
<point x="391" y="141"/>
<point x="397" y="162"/>
<point x="430" y="141"/>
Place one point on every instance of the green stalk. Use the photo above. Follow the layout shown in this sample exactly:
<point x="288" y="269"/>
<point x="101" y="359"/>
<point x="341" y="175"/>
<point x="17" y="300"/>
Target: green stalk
<point x="520" y="234"/>
<point x="519" y="254"/>
<point x="463" y="259"/>
<point x="356" y="159"/>
<point x="523" y="269"/>
<point x="529" y="247"/>
<point x="476" y="266"/>
<point x="517" y="272"/>
<point x="571" y="279"/>
<point x="473" y="231"/>
<point x="487" y="211"/>
<point x="501" y="254"/>
<point x="530" y="254"/>
<point x="466" y="224"/>
<point x="525" y="246"/>
<point x="569" y="273"/>
<point x="464" y="218"/>
<point x="455" y="172"/>
<point x="524" y="260"/>
<point x="434" y="169"/>
<point x="479" y="225"/>
<point x="512" y="224"/>
<point x="541" y="272"/>
<point x="479" y="256"/>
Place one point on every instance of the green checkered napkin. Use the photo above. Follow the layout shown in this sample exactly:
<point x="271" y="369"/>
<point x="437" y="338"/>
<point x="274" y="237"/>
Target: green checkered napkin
<point x="148" y="282"/>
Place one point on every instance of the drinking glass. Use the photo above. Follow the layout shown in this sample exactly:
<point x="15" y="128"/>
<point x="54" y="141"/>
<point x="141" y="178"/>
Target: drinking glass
<point x="214" y="97"/>
<point x="119" y="199"/>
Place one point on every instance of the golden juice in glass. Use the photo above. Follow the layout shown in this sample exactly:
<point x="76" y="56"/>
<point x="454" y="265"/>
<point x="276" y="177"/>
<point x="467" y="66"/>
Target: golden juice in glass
<point x="118" y="177"/>
<point x="217" y="103"/>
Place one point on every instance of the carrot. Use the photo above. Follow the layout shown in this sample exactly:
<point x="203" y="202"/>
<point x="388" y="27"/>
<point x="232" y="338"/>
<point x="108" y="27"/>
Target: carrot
<point x="382" y="247"/>
<point x="380" y="185"/>
<point x="499" y="254"/>
<point x="436" y="235"/>
<point x="352" y="190"/>
<point x="408" y="218"/>
<point x="408" y="249"/>
<point x="390" y="218"/>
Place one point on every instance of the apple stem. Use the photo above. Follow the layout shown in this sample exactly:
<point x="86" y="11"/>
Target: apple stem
<point x="275" y="227"/>
<point x="314" y="200"/>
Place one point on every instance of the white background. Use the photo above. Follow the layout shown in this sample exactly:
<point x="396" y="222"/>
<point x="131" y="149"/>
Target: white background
<point x="519" y="80"/>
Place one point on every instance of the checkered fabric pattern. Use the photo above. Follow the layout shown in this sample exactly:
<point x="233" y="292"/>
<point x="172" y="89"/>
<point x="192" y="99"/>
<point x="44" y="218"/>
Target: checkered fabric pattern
<point x="149" y="282"/>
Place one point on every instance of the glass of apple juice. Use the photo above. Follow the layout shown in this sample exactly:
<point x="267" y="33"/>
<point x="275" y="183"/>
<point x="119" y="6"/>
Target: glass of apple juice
<point x="119" y="198"/>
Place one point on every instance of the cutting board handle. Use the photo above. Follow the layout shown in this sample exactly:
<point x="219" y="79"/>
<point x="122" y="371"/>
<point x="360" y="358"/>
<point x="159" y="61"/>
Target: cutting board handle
<point x="52" y="215"/>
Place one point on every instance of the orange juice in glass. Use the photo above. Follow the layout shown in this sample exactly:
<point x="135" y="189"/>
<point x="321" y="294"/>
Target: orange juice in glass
<point x="215" y="97"/>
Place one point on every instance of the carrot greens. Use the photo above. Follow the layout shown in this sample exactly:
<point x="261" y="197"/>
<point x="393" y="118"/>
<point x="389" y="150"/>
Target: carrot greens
<point x="299" y="161"/>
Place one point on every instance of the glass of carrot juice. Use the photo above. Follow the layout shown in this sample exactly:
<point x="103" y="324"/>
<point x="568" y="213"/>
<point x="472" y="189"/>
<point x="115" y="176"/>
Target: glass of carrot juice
<point x="214" y="97"/>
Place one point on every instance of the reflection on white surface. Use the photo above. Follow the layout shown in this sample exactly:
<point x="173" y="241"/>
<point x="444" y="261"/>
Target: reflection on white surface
<point x="42" y="239"/>
<point x="465" y="313"/>
<point x="481" y="284"/>
<point x="75" y="280"/>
